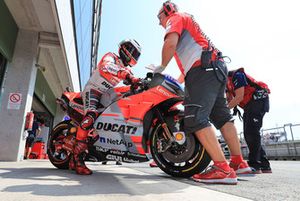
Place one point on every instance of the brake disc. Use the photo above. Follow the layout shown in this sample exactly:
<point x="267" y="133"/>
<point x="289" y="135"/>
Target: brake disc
<point x="175" y="156"/>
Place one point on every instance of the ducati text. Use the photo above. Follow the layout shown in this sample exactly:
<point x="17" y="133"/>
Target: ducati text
<point x="116" y="128"/>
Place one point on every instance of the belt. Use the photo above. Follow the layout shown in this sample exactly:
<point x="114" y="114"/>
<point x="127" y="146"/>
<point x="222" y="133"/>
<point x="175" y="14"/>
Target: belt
<point x="210" y="69"/>
<point x="197" y="64"/>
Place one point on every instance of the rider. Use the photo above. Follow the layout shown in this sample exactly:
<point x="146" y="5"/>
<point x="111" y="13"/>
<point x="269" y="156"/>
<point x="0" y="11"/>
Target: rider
<point x="110" y="71"/>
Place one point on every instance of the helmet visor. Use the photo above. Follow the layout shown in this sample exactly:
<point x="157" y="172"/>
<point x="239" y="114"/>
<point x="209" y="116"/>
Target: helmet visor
<point x="133" y="51"/>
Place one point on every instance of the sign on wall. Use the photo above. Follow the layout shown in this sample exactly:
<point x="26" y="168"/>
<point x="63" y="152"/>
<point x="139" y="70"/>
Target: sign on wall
<point x="14" y="101"/>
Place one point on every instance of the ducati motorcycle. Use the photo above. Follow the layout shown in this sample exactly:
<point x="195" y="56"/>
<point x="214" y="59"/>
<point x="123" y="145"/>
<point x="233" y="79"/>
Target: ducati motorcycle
<point x="139" y="122"/>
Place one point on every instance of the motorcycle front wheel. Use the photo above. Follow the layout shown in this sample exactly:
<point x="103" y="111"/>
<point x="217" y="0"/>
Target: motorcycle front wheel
<point x="183" y="160"/>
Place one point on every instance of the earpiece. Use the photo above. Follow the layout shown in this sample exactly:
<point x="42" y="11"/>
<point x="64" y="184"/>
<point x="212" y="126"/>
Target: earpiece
<point x="169" y="8"/>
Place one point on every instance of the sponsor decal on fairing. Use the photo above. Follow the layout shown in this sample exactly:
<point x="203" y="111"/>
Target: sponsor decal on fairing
<point x="115" y="142"/>
<point x="163" y="91"/>
<point x="106" y="85"/>
<point x="136" y="155"/>
<point x="119" y="128"/>
<point x="76" y="106"/>
<point x="117" y="152"/>
<point x="113" y="157"/>
<point x="101" y="149"/>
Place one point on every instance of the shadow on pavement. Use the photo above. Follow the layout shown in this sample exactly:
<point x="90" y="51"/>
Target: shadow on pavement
<point x="55" y="182"/>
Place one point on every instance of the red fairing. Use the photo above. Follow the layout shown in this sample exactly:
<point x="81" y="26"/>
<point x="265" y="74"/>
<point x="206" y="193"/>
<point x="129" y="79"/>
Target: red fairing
<point x="75" y="105"/>
<point x="135" y="107"/>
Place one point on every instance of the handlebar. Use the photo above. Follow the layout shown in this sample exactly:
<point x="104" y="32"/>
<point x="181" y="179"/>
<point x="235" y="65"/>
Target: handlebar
<point x="141" y="85"/>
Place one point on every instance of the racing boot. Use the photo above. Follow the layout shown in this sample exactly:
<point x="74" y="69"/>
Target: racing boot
<point x="80" y="151"/>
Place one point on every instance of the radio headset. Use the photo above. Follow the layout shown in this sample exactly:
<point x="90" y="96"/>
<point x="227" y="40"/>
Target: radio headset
<point x="169" y="8"/>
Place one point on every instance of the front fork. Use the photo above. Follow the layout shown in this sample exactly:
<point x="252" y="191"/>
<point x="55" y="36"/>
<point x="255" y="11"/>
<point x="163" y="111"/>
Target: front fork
<point x="168" y="136"/>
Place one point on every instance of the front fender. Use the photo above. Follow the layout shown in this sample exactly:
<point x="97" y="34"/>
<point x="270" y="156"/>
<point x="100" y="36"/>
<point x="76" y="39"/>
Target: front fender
<point x="167" y="109"/>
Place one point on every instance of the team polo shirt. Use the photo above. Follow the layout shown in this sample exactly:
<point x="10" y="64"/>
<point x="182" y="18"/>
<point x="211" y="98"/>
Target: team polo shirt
<point x="191" y="40"/>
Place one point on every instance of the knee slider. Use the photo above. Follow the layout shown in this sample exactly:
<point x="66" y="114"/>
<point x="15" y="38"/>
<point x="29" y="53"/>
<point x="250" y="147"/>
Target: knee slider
<point x="88" y="120"/>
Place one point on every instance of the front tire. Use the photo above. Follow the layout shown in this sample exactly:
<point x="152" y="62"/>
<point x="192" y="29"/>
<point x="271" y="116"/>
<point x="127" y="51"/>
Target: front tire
<point x="179" y="160"/>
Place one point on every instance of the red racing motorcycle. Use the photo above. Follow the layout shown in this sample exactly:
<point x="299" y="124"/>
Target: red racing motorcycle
<point x="139" y="122"/>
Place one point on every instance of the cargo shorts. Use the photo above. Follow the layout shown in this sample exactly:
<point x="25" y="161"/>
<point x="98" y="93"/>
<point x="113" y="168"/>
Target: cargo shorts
<point x="205" y="100"/>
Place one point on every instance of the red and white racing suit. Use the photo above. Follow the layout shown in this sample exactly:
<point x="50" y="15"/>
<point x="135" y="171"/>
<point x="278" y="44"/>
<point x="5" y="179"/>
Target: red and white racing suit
<point x="109" y="72"/>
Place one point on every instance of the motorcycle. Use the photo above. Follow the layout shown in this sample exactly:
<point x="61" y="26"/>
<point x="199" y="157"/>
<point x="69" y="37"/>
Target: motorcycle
<point x="139" y="122"/>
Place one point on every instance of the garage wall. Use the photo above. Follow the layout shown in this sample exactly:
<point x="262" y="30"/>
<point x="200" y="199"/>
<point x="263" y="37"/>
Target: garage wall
<point x="8" y="32"/>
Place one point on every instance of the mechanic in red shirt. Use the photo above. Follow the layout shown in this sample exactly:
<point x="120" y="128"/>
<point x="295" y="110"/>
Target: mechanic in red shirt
<point x="110" y="71"/>
<point x="253" y="97"/>
<point x="204" y="73"/>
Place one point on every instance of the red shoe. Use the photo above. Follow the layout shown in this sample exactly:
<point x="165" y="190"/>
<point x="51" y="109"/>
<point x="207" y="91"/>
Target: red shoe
<point x="215" y="175"/>
<point x="241" y="168"/>
<point x="153" y="164"/>
<point x="79" y="156"/>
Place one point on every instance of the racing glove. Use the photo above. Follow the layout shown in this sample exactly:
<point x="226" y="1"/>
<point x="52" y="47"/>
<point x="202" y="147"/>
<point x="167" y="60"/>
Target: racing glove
<point x="134" y="79"/>
<point x="127" y="77"/>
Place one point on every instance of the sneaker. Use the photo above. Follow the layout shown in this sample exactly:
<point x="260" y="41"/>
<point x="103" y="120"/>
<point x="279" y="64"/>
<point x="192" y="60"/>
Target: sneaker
<point x="153" y="164"/>
<point x="118" y="163"/>
<point x="215" y="175"/>
<point x="241" y="168"/>
<point x="104" y="162"/>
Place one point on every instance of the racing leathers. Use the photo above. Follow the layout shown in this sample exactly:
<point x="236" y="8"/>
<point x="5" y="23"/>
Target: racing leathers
<point x="109" y="72"/>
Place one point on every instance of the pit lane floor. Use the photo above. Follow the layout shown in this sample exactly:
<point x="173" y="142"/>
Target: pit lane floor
<point x="40" y="180"/>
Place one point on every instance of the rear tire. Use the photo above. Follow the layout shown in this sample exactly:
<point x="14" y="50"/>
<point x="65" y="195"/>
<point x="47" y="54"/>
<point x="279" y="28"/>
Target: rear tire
<point x="191" y="158"/>
<point x="58" y="156"/>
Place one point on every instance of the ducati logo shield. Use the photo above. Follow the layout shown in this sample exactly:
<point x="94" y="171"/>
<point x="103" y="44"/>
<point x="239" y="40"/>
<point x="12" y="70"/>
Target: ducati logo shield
<point x="119" y="128"/>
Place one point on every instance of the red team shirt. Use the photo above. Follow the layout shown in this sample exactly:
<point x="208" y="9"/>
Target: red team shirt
<point x="191" y="41"/>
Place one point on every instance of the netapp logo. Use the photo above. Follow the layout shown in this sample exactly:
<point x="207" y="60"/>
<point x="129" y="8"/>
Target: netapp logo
<point x="116" y="128"/>
<point x="116" y="142"/>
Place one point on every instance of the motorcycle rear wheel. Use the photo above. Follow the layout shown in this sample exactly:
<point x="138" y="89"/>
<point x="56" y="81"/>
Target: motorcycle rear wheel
<point x="58" y="156"/>
<point x="179" y="161"/>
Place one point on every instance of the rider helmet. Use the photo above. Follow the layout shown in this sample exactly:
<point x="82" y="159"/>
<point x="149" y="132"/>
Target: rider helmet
<point x="129" y="52"/>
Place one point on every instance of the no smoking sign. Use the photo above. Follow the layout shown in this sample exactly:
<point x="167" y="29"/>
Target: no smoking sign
<point x="14" y="101"/>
